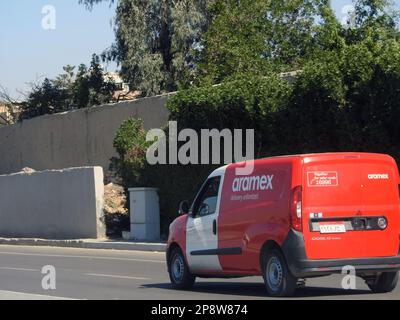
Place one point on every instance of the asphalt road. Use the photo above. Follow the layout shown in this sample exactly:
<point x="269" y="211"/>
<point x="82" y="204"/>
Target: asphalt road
<point x="105" y="274"/>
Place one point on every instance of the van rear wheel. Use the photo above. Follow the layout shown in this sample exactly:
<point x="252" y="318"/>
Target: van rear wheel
<point x="278" y="279"/>
<point x="384" y="282"/>
<point x="179" y="273"/>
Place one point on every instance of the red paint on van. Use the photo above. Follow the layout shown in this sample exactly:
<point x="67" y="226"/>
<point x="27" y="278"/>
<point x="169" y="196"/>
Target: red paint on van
<point x="247" y="222"/>
<point x="366" y="187"/>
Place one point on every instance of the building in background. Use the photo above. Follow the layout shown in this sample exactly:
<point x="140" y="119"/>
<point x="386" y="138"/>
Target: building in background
<point x="8" y="115"/>
<point x="123" y="91"/>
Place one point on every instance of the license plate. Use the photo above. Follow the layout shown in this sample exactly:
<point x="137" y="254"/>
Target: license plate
<point x="332" y="228"/>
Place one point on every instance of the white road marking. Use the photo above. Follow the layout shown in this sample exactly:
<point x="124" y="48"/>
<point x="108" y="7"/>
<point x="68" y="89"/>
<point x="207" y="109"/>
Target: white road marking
<point x="115" y="276"/>
<point x="18" y="269"/>
<point x="13" y="295"/>
<point x="79" y="257"/>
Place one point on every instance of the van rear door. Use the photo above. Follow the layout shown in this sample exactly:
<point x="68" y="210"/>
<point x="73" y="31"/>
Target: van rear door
<point x="344" y="197"/>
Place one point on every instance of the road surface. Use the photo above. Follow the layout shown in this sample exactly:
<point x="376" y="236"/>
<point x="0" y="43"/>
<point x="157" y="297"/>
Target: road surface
<point x="106" y="274"/>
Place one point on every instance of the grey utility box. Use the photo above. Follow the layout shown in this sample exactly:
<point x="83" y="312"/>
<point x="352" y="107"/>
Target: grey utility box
<point x="145" y="214"/>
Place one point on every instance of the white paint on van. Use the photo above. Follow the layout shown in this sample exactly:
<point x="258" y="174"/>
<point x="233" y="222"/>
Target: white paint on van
<point x="199" y="235"/>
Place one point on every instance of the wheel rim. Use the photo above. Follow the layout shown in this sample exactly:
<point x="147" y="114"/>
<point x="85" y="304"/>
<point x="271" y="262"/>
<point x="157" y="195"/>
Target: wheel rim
<point x="274" y="274"/>
<point x="178" y="268"/>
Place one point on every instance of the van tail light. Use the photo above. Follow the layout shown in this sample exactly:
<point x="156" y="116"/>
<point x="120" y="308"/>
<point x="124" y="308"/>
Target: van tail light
<point x="296" y="208"/>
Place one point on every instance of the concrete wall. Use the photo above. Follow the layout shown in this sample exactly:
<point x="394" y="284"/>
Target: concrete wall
<point x="65" y="204"/>
<point x="74" y="139"/>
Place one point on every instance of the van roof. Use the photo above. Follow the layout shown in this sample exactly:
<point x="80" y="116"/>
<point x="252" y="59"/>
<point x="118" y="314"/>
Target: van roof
<point x="332" y="155"/>
<point x="311" y="157"/>
<point x="364" y="155"/>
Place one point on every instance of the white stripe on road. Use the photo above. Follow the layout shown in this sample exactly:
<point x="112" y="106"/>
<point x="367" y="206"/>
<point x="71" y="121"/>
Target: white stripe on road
<point x="79" y="257"/>
<point x="115" y="276"/>
<point x="13" y="295"/>
<point x="88" y="274"/>
<point x="18" y="269"/>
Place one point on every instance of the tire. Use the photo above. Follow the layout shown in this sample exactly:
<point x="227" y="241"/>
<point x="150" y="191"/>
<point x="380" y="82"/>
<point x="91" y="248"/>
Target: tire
<point x="179" y="273"/>
<point x="278" y="279"/>
<point x="384" y="282"/>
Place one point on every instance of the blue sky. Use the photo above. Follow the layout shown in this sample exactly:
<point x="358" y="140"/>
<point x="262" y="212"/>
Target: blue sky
<point x="28" y="52"/>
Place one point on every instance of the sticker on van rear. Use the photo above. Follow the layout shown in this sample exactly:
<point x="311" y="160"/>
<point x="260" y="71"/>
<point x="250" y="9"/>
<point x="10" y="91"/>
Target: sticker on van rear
<point x="323" y="179"/>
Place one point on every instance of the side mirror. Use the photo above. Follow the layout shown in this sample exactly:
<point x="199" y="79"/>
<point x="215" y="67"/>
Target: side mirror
<point x="184" y="207"/>
<point x="204" y="210"/>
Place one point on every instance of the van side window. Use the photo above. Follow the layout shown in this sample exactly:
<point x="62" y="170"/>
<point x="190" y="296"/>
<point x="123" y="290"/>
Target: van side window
<point x="206" y="203"/>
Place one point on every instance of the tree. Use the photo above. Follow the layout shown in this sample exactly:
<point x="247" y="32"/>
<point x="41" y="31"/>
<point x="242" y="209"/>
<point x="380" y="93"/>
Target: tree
<point x="156" y="40"/>
<point x="375" y="19"/>
<point x="66" y="79"/>
<point x="235" y="40"/>
<point x="11" y="106"/>
<point x="165" y="45"/>
<point x="257" y="36"/>
<point x="81" y="88"/>
<point x="69" y="91"/>
<point x="90" y="88"/>
<point x="45" y="98"/>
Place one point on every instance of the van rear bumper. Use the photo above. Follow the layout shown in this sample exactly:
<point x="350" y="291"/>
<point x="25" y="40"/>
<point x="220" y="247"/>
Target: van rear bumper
<point x="302" y="267"/>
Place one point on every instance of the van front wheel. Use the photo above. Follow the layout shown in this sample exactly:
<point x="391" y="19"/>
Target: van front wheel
<point x="384" y="282"/>
<point x="278" y="279"/>
<point x="179" y="273"/>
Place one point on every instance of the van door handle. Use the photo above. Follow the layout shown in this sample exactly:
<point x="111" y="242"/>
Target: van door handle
<point x="215" y="227"/>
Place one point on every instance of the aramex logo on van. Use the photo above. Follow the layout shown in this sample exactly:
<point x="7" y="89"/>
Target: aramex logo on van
<point x="254" y="183"/>
<point x="378" y="176"/>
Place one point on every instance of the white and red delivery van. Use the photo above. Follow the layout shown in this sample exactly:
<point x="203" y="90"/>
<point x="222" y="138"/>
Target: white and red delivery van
<point x="294" y="217"/>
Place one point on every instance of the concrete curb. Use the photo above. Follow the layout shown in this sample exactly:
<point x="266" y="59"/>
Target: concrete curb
<point x="87" y="244"/>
